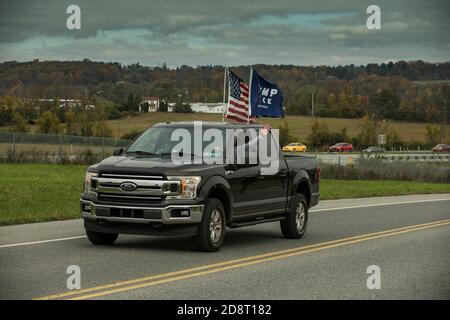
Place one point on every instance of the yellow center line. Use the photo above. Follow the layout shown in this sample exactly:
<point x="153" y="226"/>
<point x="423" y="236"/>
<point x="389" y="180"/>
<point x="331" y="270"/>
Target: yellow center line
<point x="231" y="264"/>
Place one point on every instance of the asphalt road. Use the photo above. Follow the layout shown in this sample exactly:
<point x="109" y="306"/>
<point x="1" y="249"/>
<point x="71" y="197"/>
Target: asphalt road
<point x="408" y="237"/>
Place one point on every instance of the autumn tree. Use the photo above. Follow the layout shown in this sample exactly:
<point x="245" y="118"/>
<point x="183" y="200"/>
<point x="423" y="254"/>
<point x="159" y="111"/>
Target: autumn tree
<point x="370" y="128"/>
<point x="48" y="123"/>
<point x="432" y="134"/>
<point x="393" y="140"/>
<point x="385" y="104"/>
<point x="71" y="124"/>
<point x="19" y="123"/>
<point x="319" y="134"/>
<point x="101" y="129"/>
<point x="85" y="124"/>
<point x="163" y="106"/>
<point x="285" y="136"/>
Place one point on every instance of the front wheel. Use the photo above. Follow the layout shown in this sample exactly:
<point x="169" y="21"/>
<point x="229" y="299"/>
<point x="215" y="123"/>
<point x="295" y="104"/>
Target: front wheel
<point x="101" y="238"/>
<point x="212" y="228"/>
<point x="294" y="226"/>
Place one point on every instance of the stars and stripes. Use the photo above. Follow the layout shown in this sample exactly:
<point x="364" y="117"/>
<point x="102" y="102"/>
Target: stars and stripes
<point x="237" y="99"/>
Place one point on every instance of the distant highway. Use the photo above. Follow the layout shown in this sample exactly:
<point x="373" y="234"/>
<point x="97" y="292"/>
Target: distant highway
<point x="353" y="157"/>
<point x="407" y="237"/>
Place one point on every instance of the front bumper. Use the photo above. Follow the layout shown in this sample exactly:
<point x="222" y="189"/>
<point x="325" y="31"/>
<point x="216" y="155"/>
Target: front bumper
<point x="112" y="218"/>
<point x="170" y="214"/>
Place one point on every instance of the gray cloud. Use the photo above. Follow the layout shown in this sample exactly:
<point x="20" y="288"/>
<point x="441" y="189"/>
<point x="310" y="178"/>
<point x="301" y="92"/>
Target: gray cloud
<point x="232" y="32"/>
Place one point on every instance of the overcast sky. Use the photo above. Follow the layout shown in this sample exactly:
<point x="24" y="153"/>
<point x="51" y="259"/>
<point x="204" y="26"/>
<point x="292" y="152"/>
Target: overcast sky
<point x="226" y="32"/>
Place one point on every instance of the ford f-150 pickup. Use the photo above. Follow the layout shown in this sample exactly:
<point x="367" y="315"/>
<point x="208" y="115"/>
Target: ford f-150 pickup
<point x="141" y="190"/>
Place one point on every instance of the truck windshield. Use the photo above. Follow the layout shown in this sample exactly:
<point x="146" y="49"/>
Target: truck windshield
<point x="157" y="141"/>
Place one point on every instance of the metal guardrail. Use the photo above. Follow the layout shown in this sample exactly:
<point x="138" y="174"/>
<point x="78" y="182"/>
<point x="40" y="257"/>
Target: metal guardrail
<point x="354" y="157"/>
<point x="443" y="157"/>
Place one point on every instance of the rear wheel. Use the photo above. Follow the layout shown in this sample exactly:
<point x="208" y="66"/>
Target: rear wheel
<point x="294" y="226"/>
<point x="101" y="238"/>
<point x="212" y="228"/>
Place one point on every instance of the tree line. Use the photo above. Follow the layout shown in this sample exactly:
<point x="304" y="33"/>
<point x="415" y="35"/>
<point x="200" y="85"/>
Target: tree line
<point x="402" y="90"/>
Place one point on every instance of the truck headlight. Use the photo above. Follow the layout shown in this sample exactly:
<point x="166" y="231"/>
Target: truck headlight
<point x="89" y="184"/>
<point x="188" y="187"/>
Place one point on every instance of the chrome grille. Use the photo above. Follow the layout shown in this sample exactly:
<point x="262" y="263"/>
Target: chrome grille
<point x="131" y="176"/>
<point x="147" y="188"/>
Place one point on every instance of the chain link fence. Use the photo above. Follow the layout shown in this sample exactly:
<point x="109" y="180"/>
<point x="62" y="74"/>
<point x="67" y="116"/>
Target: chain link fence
<point x="55" y="148"/>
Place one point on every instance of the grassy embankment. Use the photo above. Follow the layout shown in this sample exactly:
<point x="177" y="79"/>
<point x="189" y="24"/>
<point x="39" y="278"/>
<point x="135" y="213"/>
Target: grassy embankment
<point x="38" y="192"/>
<point x="298" y="125"/>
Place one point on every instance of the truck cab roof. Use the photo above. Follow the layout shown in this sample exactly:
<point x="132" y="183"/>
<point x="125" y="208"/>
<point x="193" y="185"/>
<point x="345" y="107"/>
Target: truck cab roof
<point x="210" y="124"/>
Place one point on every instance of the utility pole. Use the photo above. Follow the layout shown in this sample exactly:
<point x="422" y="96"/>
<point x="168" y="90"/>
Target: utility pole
<point x="444" y="123"/>
<point x="224" y="111"/>
<point x="312" y="104"/>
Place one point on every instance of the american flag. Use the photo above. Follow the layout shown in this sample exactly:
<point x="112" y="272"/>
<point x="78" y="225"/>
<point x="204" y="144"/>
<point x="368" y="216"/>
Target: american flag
<point x="237" y="99"/>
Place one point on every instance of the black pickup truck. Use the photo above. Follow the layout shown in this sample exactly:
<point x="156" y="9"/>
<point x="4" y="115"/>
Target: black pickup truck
<point x="140" y="190"/>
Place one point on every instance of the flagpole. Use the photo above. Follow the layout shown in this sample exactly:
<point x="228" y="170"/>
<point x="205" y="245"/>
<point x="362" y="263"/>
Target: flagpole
<point x="224" y="92"/>
<point x="249" y="95"/>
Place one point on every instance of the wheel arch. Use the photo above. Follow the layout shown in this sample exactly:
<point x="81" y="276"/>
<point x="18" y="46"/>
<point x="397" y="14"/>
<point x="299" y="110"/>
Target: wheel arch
<point x="217" y="187"/>
<point x="302" y="184"/>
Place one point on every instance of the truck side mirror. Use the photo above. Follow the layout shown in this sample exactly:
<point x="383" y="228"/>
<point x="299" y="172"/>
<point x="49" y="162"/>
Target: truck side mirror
<point x="117" y="152"/>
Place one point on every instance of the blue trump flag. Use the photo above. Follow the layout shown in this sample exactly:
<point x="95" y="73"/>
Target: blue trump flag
<point x="266" y="99"/>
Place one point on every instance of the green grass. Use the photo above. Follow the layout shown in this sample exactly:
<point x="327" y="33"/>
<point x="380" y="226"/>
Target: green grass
<point x="39" y="192"/>
<point x="44" y="192"/>
<point x="339" y="189"/>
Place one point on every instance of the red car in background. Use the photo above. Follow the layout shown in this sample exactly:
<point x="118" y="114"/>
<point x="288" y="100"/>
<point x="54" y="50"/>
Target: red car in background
<point x="341" y="147"/>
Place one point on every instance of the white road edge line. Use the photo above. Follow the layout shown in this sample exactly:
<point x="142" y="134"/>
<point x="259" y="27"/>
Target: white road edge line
<point x="313" y="210"/>
<point x="41" y="241"/>
<point x="378" y="204"/>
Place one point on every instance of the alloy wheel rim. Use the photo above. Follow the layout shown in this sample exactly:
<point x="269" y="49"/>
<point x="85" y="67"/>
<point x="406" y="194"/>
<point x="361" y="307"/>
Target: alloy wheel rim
<point x="215" y="226"/>
<point x="300" y="216"/>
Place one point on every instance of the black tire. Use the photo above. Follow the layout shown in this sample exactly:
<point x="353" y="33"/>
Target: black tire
<point x="213" y="221"/>
<point x="101" y="238"/>
<point x="289" y="226"/>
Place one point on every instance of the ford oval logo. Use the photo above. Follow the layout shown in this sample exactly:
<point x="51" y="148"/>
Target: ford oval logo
<point x="128" y="186"/>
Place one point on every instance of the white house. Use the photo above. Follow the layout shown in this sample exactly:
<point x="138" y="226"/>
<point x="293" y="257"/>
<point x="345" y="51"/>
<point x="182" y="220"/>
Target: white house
<point x="151" y="102"/>
<point x="63" y="103"/>
<point x="171" y="107"/>
<point x="204" y="107"/>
